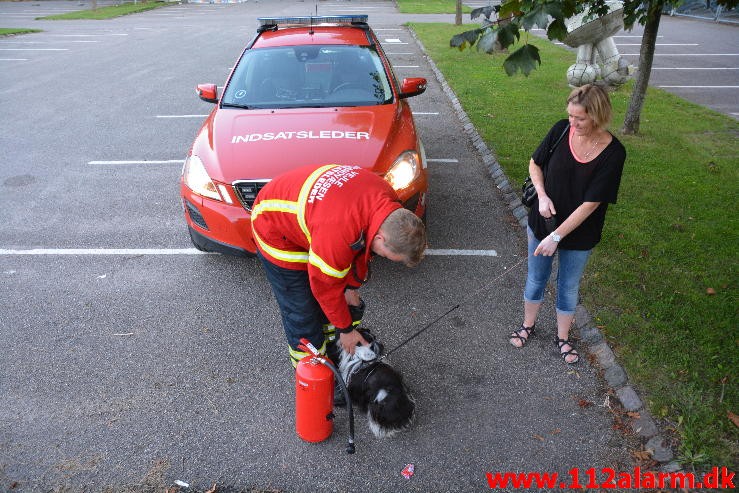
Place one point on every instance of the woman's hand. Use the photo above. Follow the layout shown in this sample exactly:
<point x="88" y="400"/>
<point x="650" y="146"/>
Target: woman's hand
<point x="546" y="206"/>
<point x="547" y="247"/>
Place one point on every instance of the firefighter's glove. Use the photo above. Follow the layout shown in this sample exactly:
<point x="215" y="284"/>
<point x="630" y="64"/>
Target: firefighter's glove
<point x="357" y="313"/>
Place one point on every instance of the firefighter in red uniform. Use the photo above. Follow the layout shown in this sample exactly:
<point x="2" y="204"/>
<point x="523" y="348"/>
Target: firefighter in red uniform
<point x="316" y="230"/>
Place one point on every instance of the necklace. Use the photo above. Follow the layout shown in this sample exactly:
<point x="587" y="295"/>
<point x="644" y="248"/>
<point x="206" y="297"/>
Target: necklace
<point x="592" y="150"/>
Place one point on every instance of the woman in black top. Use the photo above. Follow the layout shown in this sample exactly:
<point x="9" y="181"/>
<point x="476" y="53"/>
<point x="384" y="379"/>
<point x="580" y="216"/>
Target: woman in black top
<point x="582" y="177"/>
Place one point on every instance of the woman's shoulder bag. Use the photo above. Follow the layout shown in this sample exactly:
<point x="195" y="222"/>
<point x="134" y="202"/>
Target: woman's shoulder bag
<point x="528" y="191"/>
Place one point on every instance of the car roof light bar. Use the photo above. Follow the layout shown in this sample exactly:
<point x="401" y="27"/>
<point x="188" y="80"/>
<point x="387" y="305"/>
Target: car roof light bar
<point x="266" y="23"/>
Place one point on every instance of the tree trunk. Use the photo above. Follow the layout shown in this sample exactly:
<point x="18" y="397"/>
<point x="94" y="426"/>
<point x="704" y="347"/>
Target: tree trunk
<point x="646" y="57"/>
<point x="458" y="17"/>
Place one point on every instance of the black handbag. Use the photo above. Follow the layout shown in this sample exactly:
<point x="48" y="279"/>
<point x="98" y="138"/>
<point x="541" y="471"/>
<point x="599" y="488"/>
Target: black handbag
<point x="528" y="191"/>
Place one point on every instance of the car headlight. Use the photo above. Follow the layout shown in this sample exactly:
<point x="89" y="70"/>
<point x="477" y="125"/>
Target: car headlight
<point x="404" y="170"/>
<point x="197" y="179"/>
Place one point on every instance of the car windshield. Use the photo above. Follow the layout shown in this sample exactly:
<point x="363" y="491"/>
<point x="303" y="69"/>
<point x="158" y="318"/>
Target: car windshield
<point x="308" y="76"/>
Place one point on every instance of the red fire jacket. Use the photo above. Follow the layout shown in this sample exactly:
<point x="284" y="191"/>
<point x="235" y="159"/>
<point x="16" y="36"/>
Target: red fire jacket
<point x="323" y="220"/>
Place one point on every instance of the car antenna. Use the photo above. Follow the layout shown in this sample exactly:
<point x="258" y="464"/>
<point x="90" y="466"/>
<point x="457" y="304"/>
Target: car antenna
<point x="311" y="21"/>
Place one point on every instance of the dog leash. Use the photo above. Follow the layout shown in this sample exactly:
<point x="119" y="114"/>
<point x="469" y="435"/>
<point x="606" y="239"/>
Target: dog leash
<point x="464" y="300"/>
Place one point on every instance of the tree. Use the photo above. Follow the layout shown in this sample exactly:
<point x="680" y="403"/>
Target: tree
<point x="458" y="16"/>
<point x="516" y="15"/>
<point x="648" y="14"/>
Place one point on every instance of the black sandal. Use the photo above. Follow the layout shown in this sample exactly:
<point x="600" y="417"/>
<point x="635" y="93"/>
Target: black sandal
<point x="516" y="334"/>
<point x="571" y="352"/>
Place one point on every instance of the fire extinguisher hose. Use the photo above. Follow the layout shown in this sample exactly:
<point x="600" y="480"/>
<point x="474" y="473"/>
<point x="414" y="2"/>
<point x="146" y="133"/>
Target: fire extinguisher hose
<point x="350" y="445"/>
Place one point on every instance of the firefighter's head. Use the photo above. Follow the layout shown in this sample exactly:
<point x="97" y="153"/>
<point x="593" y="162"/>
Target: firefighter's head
<point x="401" y="238"/>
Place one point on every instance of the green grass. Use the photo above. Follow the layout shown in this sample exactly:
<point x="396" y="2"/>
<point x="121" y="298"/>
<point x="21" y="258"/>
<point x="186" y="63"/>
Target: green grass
<point x="107" y="12"/>
<point x="430" y="7"/>
<point x="669" y="243"/>
<point x="8" y="31"/>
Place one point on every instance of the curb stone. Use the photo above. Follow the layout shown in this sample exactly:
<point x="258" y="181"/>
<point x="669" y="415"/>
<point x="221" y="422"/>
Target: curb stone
<point x="615" y="376"/>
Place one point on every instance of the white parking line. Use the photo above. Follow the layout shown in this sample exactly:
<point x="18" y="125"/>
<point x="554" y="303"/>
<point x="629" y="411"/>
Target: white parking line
<point x="181" y="116"/>
<point x="47" y="42"/>
<point x="406" y="66"/>
<point x="659" y="44"/>
<point x="104" y="251"/>
<point x="639" y="44"/>
<point x="700" y="87"/>
<point x="87" y="35"/>
<point x="695" y="68"/>
<point x="442" y="160"/>
<point x="166" y="161"/>
<point x="194" y="251"/>
<point x="454" y="252"/>
<point x="28" y="16"/>
<point x="388" y="53"/>
<point x="684" y="54"/>
<point x="34" y="49"/>
<point x="13" y="59"/>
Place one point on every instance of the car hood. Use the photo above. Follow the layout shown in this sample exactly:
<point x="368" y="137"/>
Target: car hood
<point x="261" y="144"/>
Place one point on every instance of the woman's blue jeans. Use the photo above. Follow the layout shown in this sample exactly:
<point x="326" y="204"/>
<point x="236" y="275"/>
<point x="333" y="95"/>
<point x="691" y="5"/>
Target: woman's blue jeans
<point x="571" y="267"/>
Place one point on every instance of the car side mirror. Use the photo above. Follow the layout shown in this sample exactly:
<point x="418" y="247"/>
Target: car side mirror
<point x="412" y="86"/>
<point x="207" y="92"/>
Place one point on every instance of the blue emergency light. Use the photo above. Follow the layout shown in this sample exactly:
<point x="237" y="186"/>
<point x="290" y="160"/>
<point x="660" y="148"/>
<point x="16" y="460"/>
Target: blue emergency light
<point x="312" y="20"/>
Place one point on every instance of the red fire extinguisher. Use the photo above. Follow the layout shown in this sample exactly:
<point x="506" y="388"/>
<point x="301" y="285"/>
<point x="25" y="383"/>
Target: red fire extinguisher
<point x="314" y="397"/>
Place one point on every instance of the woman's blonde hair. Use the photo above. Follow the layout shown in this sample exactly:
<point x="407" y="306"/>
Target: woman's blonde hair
<point x="405" y="234"/>
<point x="596" y="102"/>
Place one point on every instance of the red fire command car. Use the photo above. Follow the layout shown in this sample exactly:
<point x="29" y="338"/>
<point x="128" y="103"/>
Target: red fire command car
<point x="306" y="90"/>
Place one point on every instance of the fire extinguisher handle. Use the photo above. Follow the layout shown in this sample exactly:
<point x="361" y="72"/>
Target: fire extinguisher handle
<point x="306" y="346"/>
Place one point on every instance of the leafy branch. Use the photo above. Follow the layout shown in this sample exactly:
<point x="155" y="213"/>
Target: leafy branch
<point x="514" y="16"/>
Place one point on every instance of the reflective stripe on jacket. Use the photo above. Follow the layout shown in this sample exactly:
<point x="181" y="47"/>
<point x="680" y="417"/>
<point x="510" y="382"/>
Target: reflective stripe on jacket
<point x="323" y="219"/>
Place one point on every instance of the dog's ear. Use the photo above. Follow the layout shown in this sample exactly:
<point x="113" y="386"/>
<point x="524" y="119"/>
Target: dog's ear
<point x="367" y="334"/>
<point x="377" y="347"/>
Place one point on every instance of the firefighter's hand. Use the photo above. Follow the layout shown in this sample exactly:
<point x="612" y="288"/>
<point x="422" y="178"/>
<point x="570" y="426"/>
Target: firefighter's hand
<point x="352" y="297"/>
<point x="350" y="340"/>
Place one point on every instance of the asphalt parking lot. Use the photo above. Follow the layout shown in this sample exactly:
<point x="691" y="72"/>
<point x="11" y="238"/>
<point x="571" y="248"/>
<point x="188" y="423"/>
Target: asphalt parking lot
<point x="131" y="361"/>
<point x="694" y="59"/>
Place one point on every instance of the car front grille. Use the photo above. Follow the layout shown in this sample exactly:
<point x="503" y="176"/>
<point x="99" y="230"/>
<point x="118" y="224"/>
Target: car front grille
<point x="247" y="191"/>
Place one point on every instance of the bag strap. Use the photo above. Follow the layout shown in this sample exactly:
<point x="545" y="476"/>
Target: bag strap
<point x="564" y="132"/>
<point x="551" y="150"/>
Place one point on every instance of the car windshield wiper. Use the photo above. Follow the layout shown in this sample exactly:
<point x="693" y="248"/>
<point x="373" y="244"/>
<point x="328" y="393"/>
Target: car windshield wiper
<point x="233" y="105"/>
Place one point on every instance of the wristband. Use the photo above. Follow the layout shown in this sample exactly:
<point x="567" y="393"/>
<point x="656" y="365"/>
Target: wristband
<point x="346" y="330"/>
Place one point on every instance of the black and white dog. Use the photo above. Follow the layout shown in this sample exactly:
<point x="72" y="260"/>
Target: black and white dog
<point x="376" y="388"/>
